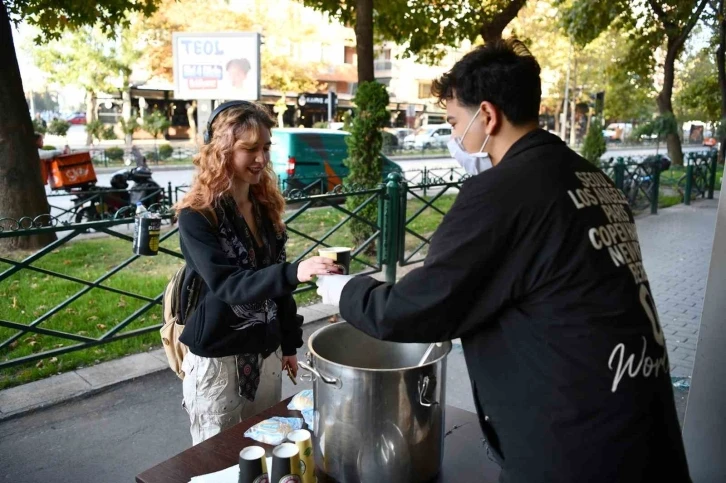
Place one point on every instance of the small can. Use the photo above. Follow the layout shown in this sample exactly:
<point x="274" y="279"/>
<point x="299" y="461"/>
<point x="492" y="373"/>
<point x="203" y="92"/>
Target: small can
<point x="147" y="230"/>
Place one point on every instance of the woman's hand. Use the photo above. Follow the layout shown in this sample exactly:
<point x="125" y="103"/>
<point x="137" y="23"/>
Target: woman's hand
<point x="314" y="266"/>
<point x="292" y="362"/>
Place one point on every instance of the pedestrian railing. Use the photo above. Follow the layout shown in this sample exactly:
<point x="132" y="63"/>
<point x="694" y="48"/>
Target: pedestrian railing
<point x="61" y="321"/>
<point x="111" y="156"/>
<point x="641" y="178"/>
<point x="101" y="204"/>
<point x="700" y="177"/>
<point x="399" y="236"/>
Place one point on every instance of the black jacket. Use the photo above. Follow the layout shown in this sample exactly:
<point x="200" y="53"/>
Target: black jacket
<point x="537" y="269"/>
<point x="207" y="331"/>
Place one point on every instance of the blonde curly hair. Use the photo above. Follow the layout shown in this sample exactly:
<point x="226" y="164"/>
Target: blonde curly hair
<point x="237" y="126"/>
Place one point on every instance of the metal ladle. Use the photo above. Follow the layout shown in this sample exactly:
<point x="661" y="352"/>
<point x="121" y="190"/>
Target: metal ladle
<point x="428" y="352"/>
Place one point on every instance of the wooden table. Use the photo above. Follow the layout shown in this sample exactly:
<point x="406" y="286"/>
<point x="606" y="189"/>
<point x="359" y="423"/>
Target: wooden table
<point x="465" y="458"/>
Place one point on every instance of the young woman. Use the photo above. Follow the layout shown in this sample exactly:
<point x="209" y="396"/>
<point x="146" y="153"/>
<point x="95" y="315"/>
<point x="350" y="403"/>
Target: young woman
<point x="244" y="331"/>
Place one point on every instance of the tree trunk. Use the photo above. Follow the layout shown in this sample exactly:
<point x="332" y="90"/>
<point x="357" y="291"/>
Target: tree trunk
<point x="495" y="24"/>
<point x="21" y="190"/>
<point x="720" y="63"/>
<point x="126" y="113"/>
<point x="665" y="105"/>
<point x="90" y="113"/>
<point x="364" y="40"/>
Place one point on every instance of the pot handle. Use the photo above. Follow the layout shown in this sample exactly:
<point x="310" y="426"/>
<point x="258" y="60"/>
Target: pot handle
<point x="327" y="380"/>
<point x="425" y="386"/>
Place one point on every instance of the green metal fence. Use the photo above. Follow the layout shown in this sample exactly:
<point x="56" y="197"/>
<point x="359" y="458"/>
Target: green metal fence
<point x="641" y="178"/>
<point x="700" y="177"/>
<point x="398" y="237"/>
<point x="316" y="222"/>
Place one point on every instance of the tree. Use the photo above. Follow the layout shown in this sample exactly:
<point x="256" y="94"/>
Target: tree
<point x="21" y="190"/>
<point x="653" y="24"/>
<point x="626" y="96"/>
<point x="89" y="59"/>
<point x="426" y="28"/>
<point x="96" y="129"/>
<point x="59" y="127"/>
<point x="155" y="123"/>
<point x="699" y="97"/>
<point x="129" y="126"/>
<point x="43" y="101"/>
<point x="594" y="145"/>
<point x="364" y="151"/>
<point x="660" y="127"/>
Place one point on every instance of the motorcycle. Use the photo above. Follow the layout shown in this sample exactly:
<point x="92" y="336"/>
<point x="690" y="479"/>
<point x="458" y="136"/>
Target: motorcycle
<point x="99" y="202"/>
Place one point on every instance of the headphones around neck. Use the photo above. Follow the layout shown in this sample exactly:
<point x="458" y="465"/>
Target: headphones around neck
<point x="216" y="112"/>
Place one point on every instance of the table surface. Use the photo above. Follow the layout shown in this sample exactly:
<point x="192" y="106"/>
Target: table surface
<point x="465" y="458"/>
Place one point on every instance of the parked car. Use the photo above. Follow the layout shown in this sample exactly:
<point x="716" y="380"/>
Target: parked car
<point x="77" y="118"/>
<point x="617" y="131"/>
<point x="400" y="132"/>
<point x="431" y="136"/>
<point x="311" y="160"/>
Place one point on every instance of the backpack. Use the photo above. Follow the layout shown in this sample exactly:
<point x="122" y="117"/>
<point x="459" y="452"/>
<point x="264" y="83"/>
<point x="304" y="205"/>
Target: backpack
<point x="172" y="316"/>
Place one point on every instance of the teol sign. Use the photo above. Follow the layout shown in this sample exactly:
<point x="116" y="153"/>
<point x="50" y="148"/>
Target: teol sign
<point x="222" y="66"/>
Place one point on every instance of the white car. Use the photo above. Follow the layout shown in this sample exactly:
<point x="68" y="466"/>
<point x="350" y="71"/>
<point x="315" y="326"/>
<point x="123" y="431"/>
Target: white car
<point x="427" y="137"/>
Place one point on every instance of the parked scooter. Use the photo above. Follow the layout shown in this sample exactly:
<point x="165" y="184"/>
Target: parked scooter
<point x="99" y="202"/>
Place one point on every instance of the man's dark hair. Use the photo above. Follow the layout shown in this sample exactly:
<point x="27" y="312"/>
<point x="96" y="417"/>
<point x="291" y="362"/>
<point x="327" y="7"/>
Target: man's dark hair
<point x="242" y="64"/>
<point x="503" y="72"/>
<point x="37" y="137"/>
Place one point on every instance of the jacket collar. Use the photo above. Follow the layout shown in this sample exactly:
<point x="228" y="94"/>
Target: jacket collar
<point x="533" y="139"/>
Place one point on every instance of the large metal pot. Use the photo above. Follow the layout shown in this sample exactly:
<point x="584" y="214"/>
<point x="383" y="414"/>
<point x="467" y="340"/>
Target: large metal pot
<point x="378" y="417"/>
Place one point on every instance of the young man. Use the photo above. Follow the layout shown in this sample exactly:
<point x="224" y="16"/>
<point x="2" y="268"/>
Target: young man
<point x="538" y="270"/>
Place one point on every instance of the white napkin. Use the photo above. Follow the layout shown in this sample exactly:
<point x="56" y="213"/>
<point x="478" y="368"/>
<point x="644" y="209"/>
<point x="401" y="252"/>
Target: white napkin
<point x="230" y="475"/>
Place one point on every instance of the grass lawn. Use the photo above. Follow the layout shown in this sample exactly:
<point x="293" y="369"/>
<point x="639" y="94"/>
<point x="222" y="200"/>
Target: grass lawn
<point x="28" y="295"/>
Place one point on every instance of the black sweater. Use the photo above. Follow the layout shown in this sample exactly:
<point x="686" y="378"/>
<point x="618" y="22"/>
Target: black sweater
<point x="537" y="269"/>
<point x="207" y="331"/>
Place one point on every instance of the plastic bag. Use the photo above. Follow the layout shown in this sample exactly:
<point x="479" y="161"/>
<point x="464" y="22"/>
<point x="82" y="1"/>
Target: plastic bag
<point x="308" y="416"/>
<point x="301" y="401"/>
<point x="274" y="430"/>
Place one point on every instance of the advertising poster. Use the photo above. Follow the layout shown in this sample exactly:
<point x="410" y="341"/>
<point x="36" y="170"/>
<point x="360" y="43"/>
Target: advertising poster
<point x="221" y="66"/>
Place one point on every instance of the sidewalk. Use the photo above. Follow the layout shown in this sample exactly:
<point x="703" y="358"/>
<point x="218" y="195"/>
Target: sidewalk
<point x="676" y="246"/>
<point x="82" y="383"/>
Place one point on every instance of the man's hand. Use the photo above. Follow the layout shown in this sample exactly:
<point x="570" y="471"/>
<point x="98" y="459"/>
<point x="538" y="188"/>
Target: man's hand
<point x="330" y="287"/>
<point x="292" y="362"/>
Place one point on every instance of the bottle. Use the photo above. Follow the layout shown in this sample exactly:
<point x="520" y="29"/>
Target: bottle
<point x="140" y="208"/>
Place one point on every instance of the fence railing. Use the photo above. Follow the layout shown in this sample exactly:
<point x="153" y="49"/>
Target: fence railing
<point x="310" y="226"/>
<point x="155" y="155"/>
<point x="410" y="206"/>
<point x="700" y="177"/>
<point x="639" y="178"/>
<point x="102" y="203"/>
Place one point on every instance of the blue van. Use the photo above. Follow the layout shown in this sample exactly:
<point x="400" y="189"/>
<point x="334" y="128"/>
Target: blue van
<point x="311" y="160"/>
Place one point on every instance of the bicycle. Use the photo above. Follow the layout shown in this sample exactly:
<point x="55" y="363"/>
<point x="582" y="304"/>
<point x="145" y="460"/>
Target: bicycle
<point x="699" y="183"/>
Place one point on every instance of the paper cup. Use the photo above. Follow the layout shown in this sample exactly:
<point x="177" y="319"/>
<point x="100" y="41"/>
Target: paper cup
<point x="253" y="465"/>
<point x="285" y="464"/>
<point x="340" y="255"/>
<point x="302" y="439"/>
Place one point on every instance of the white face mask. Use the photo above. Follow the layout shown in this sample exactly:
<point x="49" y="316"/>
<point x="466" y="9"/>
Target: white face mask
<point x="473" y="163"/>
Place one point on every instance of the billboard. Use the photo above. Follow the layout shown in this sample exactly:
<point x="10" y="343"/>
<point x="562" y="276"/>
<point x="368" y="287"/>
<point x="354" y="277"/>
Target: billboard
<point x="222" y="66"/>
